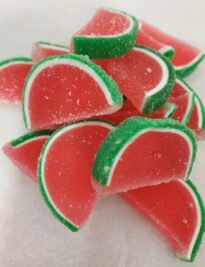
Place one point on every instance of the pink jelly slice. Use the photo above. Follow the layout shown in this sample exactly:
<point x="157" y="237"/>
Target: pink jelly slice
<point x="63" y="93"/>
<point x="194" y="119"/>
<point x="12" y="79"/>
<point x="153" y="158"/>
<point x="25" y="155"/>
<point x="197" y="117"/>
<point x="136" y="73"/>
<point x="66" y="171"/>
<point x="174" y="209"/>
<point x="185" y="54"/>
<point x="43" y="50"/>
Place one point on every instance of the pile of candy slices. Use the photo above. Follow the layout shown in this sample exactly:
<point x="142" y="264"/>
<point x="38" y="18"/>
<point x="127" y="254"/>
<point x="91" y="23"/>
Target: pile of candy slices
<point x="112" y="114"/>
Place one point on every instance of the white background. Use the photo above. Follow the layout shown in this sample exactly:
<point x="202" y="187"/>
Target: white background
<point x="115" y="236"/>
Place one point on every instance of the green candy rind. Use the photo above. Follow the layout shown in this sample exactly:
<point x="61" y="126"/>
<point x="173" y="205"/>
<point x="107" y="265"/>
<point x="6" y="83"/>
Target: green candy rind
<point x="202" y="227"/>
<point x="29" y="136"/>
<point x="169" y="53"/>
<point x="188" y="114"/>
<point x="109" y="82"/>
<point x="109" y="46"/>
<point x="202" y="111"/>
<point x="120" y="137"/>
<point x="188" y="87"/>
<point x="15" y="60"/>
<point x="185" y="71"/>
<point x="156" y="100"/>
<point x="171" y="109"/>
<point x="41" y="185"/>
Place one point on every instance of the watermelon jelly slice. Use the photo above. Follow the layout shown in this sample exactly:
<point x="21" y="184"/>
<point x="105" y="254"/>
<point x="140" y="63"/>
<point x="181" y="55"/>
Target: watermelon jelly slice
<point x="196" y="120"/>
<point x="67" y="88"/>
<point x="24" y="151"/>
<point x="142" y="152"/>
<point x="42" y="50"/>
<point x="147" y="40"/>
<point x="143" y="75"/>
<point x="165" y="111"/>
<point x="64" y="171"/>
<point x="177" y="210"/>
<point x="186" y="58"/>
<point x="13" y="72"/>
<point x="110" y="33"/>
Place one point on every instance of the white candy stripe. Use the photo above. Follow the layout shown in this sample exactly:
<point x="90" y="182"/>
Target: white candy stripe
<point x="49" y="144"/>
<point x="134" y="138"/>
<point x="54" y="47"/>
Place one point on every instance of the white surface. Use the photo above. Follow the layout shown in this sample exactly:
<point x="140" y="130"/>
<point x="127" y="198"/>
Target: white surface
<point x="115" y="236"/>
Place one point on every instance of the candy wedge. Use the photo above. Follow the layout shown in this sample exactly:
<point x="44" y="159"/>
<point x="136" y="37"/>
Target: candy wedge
<point x="64" y="171"/>
<point x="177" y="210"/>
<point x="67" y="88"/>
<point x="110" y="33"/>
<point x="142" y="152"/>
<point x="25" y="150"/>
<point x="143" y="75"/>
<point x="186" y="58"/>
<point x="196" y="119"/>
<point x="42" y="50"/>
<point x="13" y="72"/>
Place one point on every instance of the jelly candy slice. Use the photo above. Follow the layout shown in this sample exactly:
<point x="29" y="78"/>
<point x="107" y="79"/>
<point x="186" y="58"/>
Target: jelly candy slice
<point x="67" y="88"/>
<point x="143" y="75"/>
<point x="142" y="152"/>
<point x="110" y="33"/>
<point x="42" y="50"/>
<point x="64" y="171"/>
<point x="177" y="210"/>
